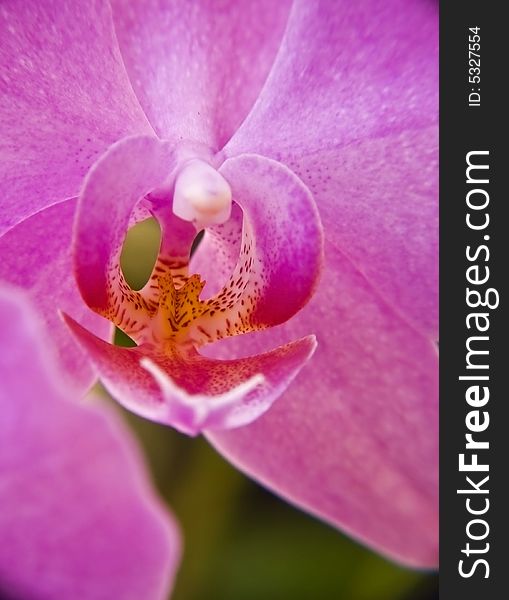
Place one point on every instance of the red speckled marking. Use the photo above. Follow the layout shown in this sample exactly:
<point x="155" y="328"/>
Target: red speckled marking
<point x="168" y="312"/>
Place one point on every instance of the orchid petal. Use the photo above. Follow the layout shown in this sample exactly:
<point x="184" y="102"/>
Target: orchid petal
<point x="65" y="97"/>
<point x="78" y="518"/>
<point x="218" y="252"/>
<point x="165" y="378"/>
<point x="280" y="256"/>
<point x="351" y="107"/>
<point x="197" y="67"/>
<point x="36" y="255"/>
<point x="193" y="392"/>
<point x="383" y="213"/>
<point x="355" y="440"/>
<point x="128" y="171"/>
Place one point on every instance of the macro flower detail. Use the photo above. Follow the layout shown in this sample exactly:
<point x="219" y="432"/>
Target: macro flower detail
<point x="78" y="517"/>
<point x="304" y="146"/>
<point x="167" y="318"/>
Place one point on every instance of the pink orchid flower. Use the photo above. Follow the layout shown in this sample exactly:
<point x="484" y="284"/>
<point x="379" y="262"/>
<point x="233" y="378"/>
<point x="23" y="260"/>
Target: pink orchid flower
<point x="78" y="518"/>
<point x="259" y="122"/>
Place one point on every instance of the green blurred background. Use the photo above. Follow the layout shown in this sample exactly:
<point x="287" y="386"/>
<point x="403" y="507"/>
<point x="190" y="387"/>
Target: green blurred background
<point x="241" y="541"/>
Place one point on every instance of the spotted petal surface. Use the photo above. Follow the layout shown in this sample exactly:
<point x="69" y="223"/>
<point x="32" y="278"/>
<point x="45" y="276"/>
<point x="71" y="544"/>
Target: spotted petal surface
<point x="191" y="392"/>
<point x="64" y="98"/>
<point x="351" y="106"/>
<point x="165" y="378"/>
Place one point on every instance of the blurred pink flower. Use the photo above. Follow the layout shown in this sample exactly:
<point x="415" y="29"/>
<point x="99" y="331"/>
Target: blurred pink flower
<point x="78" y="517"/>
<point x="301" y="113"/>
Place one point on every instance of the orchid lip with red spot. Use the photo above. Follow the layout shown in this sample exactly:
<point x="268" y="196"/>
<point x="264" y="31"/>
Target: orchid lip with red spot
<point x="169" y="381"/>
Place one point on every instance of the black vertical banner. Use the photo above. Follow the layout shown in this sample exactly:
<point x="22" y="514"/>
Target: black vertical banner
<point x="474" y="267"/>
